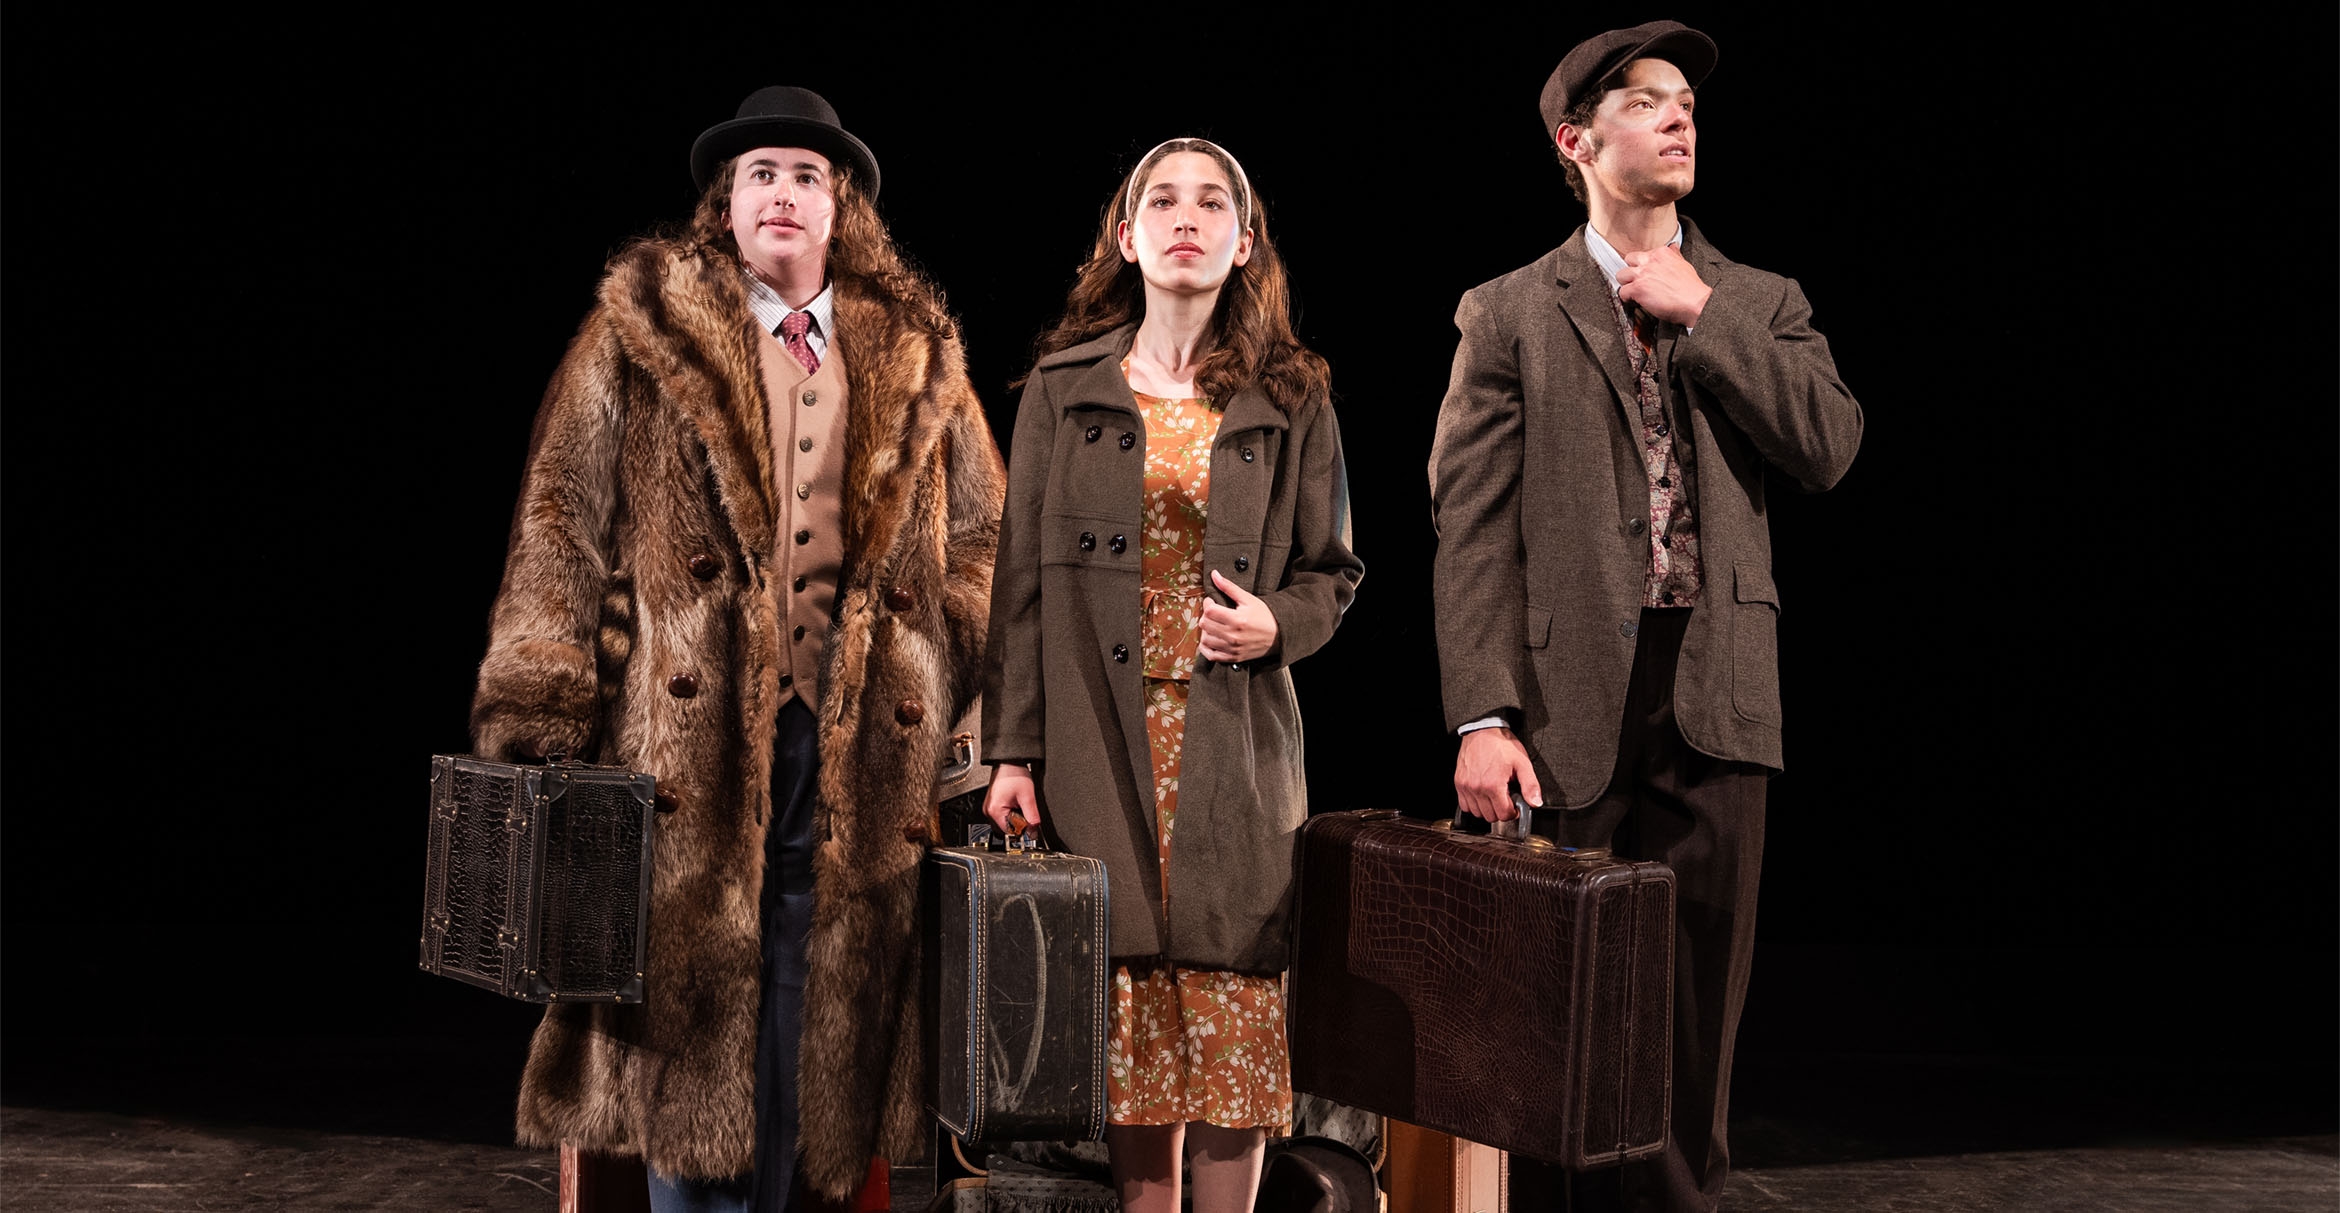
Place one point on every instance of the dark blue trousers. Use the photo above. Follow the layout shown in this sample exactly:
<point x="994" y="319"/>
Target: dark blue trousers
<point x="788" y="910"/>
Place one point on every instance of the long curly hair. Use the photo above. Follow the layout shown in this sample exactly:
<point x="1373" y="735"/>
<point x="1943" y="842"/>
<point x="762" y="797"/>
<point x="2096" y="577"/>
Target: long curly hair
<point x="1251" y="338"/>
<point x="861" y="250"/>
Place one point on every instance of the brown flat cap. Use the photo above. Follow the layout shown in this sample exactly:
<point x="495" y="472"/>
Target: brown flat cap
<point x="1594" y="59"/>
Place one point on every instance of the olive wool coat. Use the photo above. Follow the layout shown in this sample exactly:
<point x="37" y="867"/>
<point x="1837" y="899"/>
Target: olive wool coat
<point x="1065" y="690"/>
<point x="637" y="624"/>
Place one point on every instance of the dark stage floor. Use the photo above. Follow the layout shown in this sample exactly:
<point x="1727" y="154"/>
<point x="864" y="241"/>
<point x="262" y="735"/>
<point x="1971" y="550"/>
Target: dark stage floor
<point x="421" y="1125"/>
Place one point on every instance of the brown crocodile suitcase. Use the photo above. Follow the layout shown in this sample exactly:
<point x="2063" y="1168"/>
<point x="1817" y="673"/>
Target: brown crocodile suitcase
<point x="1507" y="992"/>
<point x="1016" y="983"/>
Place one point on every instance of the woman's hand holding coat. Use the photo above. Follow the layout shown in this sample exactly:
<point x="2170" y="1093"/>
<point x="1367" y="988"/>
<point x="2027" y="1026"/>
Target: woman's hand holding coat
<point x="1244" y="631"/>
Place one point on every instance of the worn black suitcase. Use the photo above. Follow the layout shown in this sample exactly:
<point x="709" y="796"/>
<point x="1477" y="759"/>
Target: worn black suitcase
<point x="1016" y="985"/>
<point x="537" y="884"/>
<point x="1501" y="990"/>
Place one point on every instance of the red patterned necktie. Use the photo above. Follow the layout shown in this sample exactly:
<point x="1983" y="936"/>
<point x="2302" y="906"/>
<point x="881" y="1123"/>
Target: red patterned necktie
<point x="792" y="330"/>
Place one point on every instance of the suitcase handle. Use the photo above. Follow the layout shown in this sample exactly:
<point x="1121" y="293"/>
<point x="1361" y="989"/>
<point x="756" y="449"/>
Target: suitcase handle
<point x="989" y="837"/>
<point x="1519" y="829"/>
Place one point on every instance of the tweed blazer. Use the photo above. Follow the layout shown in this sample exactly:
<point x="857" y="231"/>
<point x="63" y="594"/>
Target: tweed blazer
<point x="1065" y="687"/>
<point x="1541" y="505"/>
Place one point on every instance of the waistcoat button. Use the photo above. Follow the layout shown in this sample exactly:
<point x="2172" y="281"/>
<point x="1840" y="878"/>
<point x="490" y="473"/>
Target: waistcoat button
<point x="798" y="584"/>
<point x="810" y="400"/>
<point x="803" y="537"/>
<point x="804" y="444"/>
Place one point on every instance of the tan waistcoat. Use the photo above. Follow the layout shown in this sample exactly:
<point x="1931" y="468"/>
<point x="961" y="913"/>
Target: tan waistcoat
<point x="808" y="471"/>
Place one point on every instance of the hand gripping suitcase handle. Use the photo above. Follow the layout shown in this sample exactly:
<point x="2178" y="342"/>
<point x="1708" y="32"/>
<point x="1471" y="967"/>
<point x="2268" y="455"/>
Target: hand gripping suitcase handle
<point x="1520" y="828"/>
<point x="989" y="837"/>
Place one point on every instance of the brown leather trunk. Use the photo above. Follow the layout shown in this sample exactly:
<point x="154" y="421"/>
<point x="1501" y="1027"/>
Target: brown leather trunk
<point x="1506" y="992"/>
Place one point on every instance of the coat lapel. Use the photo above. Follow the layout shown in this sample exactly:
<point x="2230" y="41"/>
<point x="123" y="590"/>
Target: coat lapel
<point x="686" y="319"/>
<point x="1584" y="296"/>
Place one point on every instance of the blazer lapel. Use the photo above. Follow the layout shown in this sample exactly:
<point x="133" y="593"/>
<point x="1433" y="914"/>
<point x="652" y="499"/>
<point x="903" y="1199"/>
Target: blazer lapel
<point x="1584" y="296"/>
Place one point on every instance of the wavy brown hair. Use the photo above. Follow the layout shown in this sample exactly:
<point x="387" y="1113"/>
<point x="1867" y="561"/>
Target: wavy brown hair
<point x="1251" y="337"/>
<point x="861" y="250"/>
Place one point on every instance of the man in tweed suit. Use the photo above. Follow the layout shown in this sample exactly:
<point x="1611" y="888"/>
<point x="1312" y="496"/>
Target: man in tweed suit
<point x="1607" y="622"/>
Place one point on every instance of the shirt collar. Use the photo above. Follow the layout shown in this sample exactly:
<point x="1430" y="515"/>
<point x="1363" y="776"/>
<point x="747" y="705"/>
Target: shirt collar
<point x="1606" y="256"/>
<point x="770" y="309"/>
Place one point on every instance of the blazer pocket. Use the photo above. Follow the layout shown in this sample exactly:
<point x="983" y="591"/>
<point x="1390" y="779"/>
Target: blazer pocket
<point x="1539" y="626"/>
<point x="1755" y="644"/>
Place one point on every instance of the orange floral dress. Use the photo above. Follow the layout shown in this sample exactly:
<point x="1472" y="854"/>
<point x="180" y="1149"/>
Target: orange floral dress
<point x="1187" y="1044"/>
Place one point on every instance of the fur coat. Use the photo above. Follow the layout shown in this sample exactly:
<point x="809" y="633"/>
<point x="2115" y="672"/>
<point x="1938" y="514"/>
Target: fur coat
<point x="611" y="639"/>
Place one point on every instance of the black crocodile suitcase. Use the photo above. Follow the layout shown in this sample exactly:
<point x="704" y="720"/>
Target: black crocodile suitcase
<point x="537" y="883"/>
<point x="1501" y="990"/>
<point x="1016" y="985"/>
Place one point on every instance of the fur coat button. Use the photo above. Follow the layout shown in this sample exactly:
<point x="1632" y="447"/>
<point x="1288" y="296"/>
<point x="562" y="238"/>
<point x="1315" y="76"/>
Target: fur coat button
<point x="683" y="686"/>
<point x="901" y="599"/>
<point x="666" y="801"/>
<point x="913" y="834"/>
<point x="704" y="567"/>
<point x="910" y="711"/>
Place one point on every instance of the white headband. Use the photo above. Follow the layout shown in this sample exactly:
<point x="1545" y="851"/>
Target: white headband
<point x="1137" y="179"/>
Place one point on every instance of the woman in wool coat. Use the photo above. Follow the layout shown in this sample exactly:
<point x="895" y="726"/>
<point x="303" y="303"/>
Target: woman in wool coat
<point x="1176" y="535"/>
<point x="752" y="558"/>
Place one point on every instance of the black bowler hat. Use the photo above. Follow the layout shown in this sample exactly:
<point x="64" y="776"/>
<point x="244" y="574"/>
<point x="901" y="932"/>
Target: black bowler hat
<point x="1595" y="59"/>
<point x="781" y="116"/>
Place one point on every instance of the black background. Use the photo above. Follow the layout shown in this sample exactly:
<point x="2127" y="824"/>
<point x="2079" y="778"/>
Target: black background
<point x="2058" y="652"/>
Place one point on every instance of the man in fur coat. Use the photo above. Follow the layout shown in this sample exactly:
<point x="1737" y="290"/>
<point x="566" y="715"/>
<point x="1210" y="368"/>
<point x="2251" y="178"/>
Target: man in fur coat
<point x="752" y="558"/>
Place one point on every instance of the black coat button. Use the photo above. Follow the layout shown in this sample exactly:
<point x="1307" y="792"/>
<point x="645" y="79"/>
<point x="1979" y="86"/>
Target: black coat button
<point x="910" y="711"/>
<point x="1629" y="628"/>
<point x="1128" y="440"/>
<point x="1093" y="433"/>
<point x="1119" y="545"/>
<point x="1121" y="653"/>
<point x="1636" y="526"/>
<point x="1242" y="563"/>
<point x="799" y="631"/>
<point x="787" y="679"/>
<point x="1088" y="541"/>
<point x="803" y="537"/>
<point x="683" y="686"/>
<point x="704" y="567"/>
<point x="901" y="599"/>
<point x="1247" y="456"/>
